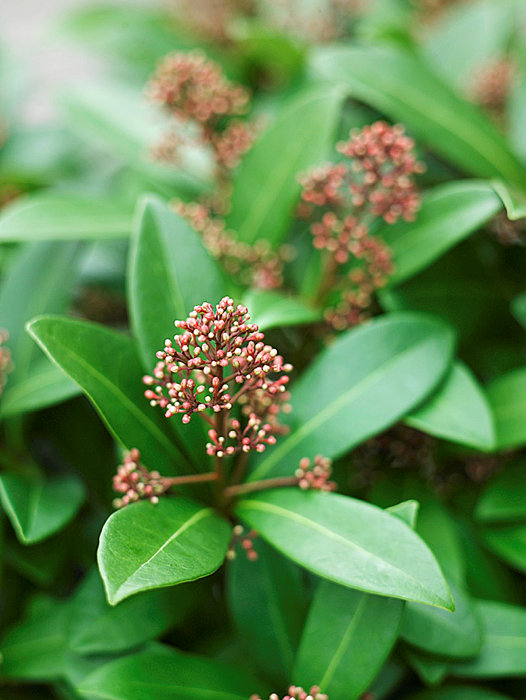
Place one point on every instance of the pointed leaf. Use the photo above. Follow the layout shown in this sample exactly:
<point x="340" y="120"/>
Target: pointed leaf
<point x="457" y="634"/>
<point x="504" y="650"/>
<point x="37" y="508"/>
<point x="509" y="544"/>
<point x="28" y="289"/>
<point x="507" y="397"/>
<point x="166" y="674"/>
<point x="347" y="638"/>
<point x="400" y="84"/>
<point x="363" y="383"/>
<point x="458" y="411"/>
<point x="170" y="272"/>
<point x="504" y="498"/>
<point x="106" y="366"/>
<point x="449" y="213"/>
<point x="61" y="216"/>
<point x="145" y="546"/>
<point x="47" y="385"/>
<point x="97" y="628"/>
<point x="267" y="608"/>
<point x="344" y="540"/>
<point x="271" y="309"/>
<point x="34" y="649"/>
<point x="263" y="200"/>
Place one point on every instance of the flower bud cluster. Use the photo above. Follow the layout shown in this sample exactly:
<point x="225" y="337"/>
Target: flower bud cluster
<point x="252" y="265"/>
<point x="315" y="476"/>
<point x="297" y="693"/>
<point x="245" y="540"/>
<point x="194" y="90"/>
<point x="219" y="359"/>
<point x="5" y="359"/>
<point x="136" y="482"/>
<point x="344" y="199"/>
<point x="491" y="86"/>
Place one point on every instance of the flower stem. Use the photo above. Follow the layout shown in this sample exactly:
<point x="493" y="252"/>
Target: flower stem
<point x="254" y="486"/>
<point x="190" y="479"/>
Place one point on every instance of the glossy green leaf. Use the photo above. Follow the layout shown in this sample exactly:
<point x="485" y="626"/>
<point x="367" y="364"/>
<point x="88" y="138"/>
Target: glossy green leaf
<point x="461" y="692"/>
<point x="166" y="674"/>
<point x="430" y="669"/>
<point x="97" y="628"/>
<point x="267" y="603"/>
<point x="400" y="84"/>
<point x="449" y="213"/>
<point x="271" y="309"/>
<point x="263" y="199"/>
<point x="145" y="546"/>
<point x="457" y="635"/>
<point x="344" y="540"/>
<point x="363" y="383"/>
<point x="106" y="366"/>
<point x="54" y="216"/>
<point x="507" y="397"/>
<point x="457" y="411"/>
<point x="504" y="650"/>
<point x="33" y="650"/>
<point x="47" y="385"/>
<point x="508" y="543"/>
<point x="347" y="637"/>
<point x="406" y="511"/>
<point x="504" y="498"/>
<point x="435" y="525"/>
<point x="30" y="288"/>
<point x="170" y="272"/>
<point x="38" y="507"/>
<point x="513" y="199"/>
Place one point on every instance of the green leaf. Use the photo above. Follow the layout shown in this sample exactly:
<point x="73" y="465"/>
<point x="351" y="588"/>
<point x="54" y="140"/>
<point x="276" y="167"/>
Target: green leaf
<point x="266" y="187"/>
<point x="344" y="540"/>
<point x="457" y="411"/>
<point x="62" y="216"/>
<point x="429" y="669"/>
<point x="47" y="385"/>
<point x="435" y="524"/>
<point x="461" y="692"/>
<point x="507" y="397"/>
<point x="406" y="511"/>
<point x="363" y="383"/>
<point x="119" y="119"/>
<point x="170" y="272"/>
<point x="449" y="213"/>
<point x="347" y="637"/>
<point x="30" y="288"/>
<point x="469" y="36"/>
<point x="508" y="543"/>
<point x="38" y="507"/>
<point x="513" y="199"/>
<point x="504" y="650"/>
<point x="267" y="608"/>
<point x="518" y="308"/>
<point x="440" y="632"/>
<point x="504" y="498"/>
<point x="145" y="546"/>
<point x="106" y="366"/>
<point x="271" y="309"/>
<point x="400" y="84"/>
<point x="166" y="674"/>
<point x="33" y="650"/>
<point x="97" y="628"/>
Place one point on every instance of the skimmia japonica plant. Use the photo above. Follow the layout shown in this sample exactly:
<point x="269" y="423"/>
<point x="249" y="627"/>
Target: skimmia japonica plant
<point x="262" y="312"/>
